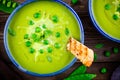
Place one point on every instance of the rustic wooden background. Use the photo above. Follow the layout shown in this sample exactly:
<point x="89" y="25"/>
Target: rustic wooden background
<point x="92" y="37"/>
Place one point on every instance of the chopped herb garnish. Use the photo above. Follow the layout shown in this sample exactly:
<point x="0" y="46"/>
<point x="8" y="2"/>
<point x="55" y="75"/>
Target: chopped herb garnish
<point x="37" y="39"/>
<point x="26" y="36"/>
<point x="49" y="49"/>
<point x="57" y="34"/>
<point x="41" y="51"/>
<point x="57" y="45"/>
<point x="11" y="32"/>
<point x="47" y="32"/>
<point x="95" y="56"/>
<point x="37" y="15"/>
<point x="44" y="26"/>
<point x="49" y="58"/>
<point x="31" y="22"/>
<point x="74" y="1"/>
<point x="116" y="50"/>
<point x="42" y="36"/>
<point x="107" y="53"/>
<point x="55" y="18"/>
<point x="28" y="43"/>
<point x="34" y="36"/>
<point x="67" y="31"/>
<point x="46" y="42"/>
<point x="115" y="17"/>
<point x="32" y="50"/>
<point x="107" y="6"/>
<point x="37" y="29"/>
<point x="118" y="9"/>
<point x="103" y="70"/>
<point x="98" y="46"/>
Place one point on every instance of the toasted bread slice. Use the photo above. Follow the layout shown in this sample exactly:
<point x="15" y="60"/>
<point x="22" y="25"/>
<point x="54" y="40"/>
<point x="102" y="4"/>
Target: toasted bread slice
<point x="81" y="52"/>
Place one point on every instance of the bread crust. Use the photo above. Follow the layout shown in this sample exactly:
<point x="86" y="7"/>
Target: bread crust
<point x="81" y="52"/>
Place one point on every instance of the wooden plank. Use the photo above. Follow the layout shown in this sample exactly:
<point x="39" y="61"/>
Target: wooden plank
<point x="1" y="13"/>
<point x="3" y="54"/>
<point x="1" y="30"/>
<point x="3" y="17"/>
<point x="7" y="73"/>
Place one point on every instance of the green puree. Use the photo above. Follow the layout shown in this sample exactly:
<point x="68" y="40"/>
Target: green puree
<point x="107" y="15"/>
<point x="42" y="30"/>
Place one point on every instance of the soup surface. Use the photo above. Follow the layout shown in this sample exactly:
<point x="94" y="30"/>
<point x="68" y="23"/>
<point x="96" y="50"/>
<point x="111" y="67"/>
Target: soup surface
<point x="107" y="15"/>
<point x="38" y="34"/>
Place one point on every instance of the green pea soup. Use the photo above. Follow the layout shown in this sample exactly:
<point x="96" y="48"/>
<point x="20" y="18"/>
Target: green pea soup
<point x="107" y="16"/>
<point x="38" y="34"/>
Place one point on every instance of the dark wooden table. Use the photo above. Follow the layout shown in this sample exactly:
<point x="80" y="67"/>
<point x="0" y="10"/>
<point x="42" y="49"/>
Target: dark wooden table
<point x="92" y="37"/>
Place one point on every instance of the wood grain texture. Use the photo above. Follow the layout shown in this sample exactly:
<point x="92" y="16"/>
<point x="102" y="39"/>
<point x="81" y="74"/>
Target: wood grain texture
<point x="92" y="37"/>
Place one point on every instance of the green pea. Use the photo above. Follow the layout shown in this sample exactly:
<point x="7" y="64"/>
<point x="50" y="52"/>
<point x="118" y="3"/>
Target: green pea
<point x="36" y="39"/>
<point x="14" y="5"/>
<point x="103" y="70"/>
<point x="81" y="77"/>
<point x="55" y="18"/>
<point x="98" y="46"/>
<point x="42" y="36"/>
<point x="4" y="1"/>
<point x="57" y="45"/>
<point x="31" y="22"/>
<point x="37" y="29"/>
<point x="44" y="26"/>
<point x="28" y="43"/>
<point x="41" y="51"/>
<point x="46" y="42"/>
<point x="107" y="6"/>
<point x="47" y="32"/>
<point x="74" y="1"/>
<point x="26" y="36"/>
<point x="80" y="70"/>
<point x="32" y="50"/>
<point x="49" y="58"/>
<point x="34" y="36"/>
<point x="95" y="56"/>
<point x="115" y="17"/>
<point x="37" y="15"/>
<point x="57" y="34"/>
<point x="107" y="53"/>
<point x="9" y="4"/>
<point x="49" y="49"/>
<point x="11" y="32"/>
<point x="115" y="50"/>
<point x="67" y="31"/>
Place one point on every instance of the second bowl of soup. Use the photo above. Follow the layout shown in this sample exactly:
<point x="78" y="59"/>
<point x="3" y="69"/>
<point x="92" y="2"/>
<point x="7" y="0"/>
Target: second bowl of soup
<point x="105" y="15"/>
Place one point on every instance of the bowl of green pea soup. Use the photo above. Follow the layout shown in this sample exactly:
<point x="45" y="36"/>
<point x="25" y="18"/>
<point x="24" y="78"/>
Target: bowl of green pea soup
<point x="36" y="35"/>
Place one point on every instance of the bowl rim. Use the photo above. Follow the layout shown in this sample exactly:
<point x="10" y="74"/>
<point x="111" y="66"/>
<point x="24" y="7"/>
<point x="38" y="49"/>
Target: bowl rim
<point x="30" y="72"/>
<point x="97" y="26"/>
